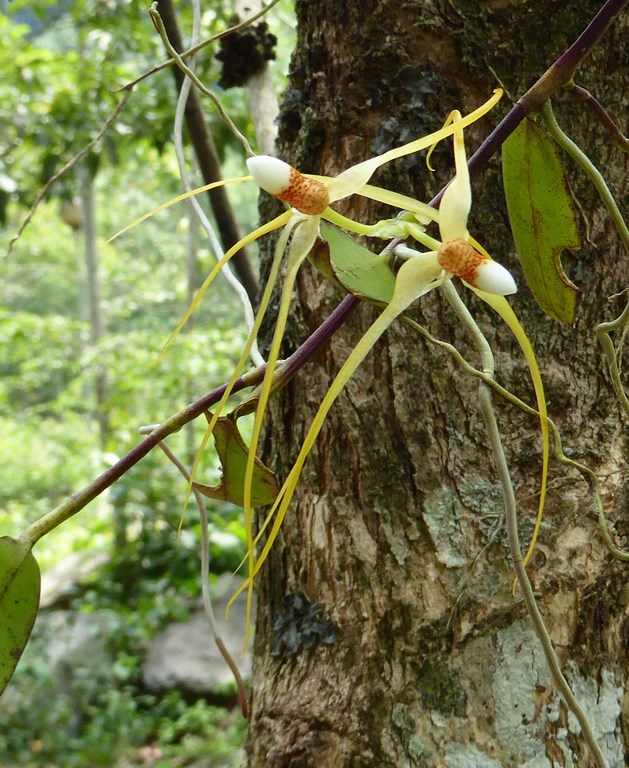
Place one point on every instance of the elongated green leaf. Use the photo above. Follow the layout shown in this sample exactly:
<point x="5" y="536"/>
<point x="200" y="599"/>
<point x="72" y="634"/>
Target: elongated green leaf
<point x="232" y="452"/>
<point x="363" y="273"/>
<point x="542" y="217"/>
<point x="19" y="600"/>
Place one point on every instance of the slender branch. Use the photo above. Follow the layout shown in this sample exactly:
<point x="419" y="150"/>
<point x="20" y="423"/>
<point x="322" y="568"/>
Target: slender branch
<point x="174" y="423"/>
<point x="78" y="501"/>
<point x="582" y="94"/>
<point x="68" y="166"/>
<point x="161" y="29"/>
<point x="196" y="48"/>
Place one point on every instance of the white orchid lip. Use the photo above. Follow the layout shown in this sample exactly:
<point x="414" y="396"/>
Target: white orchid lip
<point x="271" y="173"/>
<point x="281" y="180"/>
<point x="492" y="277"/>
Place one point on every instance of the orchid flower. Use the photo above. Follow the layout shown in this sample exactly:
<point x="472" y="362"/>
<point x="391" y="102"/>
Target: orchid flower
<point x="455" y="254"/>
<point x="310" y="198"/>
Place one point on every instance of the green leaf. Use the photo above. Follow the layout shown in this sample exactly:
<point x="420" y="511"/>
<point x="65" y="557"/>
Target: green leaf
<point x="542" y="217"/>
<point x="19" y="600"/>
<point x="232" y="452"/>
<point x="361" y="272"/>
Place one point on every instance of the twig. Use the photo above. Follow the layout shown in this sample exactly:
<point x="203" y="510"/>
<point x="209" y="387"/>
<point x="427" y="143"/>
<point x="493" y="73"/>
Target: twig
<point x="70" y="164"/>
<point x="159" y="26"/>
<point x="196" y="48"/>
<point x="582" y="94"/>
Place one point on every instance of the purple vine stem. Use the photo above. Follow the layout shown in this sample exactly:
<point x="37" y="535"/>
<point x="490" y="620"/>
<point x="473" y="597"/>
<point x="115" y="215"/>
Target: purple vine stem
<point x="559" y="75"/>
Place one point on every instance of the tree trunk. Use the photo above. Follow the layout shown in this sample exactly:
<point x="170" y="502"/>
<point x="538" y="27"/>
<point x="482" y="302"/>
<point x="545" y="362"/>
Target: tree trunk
<point x="209" y="163"/>
<point x="396" y="534"/>
<point x="95" y="306"/>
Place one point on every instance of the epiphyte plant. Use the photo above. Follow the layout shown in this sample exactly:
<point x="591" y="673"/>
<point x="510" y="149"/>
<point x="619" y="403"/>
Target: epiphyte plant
<point x="310" y="198"/>
<point x="455" y="253"/>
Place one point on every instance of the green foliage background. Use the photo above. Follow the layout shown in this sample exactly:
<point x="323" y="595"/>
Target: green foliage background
<point x="59" y="70"/>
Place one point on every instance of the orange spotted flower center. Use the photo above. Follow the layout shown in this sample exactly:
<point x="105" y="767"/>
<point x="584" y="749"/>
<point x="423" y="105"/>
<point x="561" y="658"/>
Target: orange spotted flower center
<point x="459" y="258"/>
<point x="309" y="196"/>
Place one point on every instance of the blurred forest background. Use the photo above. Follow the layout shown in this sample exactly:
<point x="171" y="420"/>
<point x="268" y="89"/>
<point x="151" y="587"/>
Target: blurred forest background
<point x="81" y="326"/>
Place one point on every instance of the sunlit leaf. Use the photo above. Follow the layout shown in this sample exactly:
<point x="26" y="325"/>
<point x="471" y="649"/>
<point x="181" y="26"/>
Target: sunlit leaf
<point x="19" y="600"/>
<point x="542" y="217"/>
<point x="232" y="452"/>
<point x="363" y="273"/>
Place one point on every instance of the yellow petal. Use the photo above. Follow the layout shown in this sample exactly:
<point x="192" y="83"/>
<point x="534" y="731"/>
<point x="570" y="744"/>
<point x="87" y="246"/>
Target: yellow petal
<point x="456" y="202"/>
<point x="502" y="307"/>
<point x="303" y="240"/>
<point x="349" y="182"/>
<point x="416" y="277"/>
<point x="178" y="199"/>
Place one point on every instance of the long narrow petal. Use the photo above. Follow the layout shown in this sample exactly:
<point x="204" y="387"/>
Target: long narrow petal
<point x="264" y="302"/>
<point x="456" y="202"/>
<point x="416" y="277"/>
<point x="275" y="223"/>
<point x="303" y="239"/>
<point x="178" y="199"/>
<point x="349" y="182"/>
<point x="502" y="307"/>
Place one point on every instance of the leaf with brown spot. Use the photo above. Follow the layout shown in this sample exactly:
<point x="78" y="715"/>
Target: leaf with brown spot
<point x="542" y="217"/>
<point x="232" y="452"/>
<point x="19" y="601"/>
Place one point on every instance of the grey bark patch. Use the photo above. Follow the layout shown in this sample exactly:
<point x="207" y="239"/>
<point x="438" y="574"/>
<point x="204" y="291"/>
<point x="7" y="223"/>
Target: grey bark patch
<point x="442" y="515"/>
<point x="530" y="715"/>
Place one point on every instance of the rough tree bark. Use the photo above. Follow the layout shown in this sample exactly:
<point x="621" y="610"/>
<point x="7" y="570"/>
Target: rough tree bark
<point x="397" y="529"/>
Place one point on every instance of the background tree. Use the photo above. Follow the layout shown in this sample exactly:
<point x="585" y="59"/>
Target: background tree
<point x="396" y="532"/>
